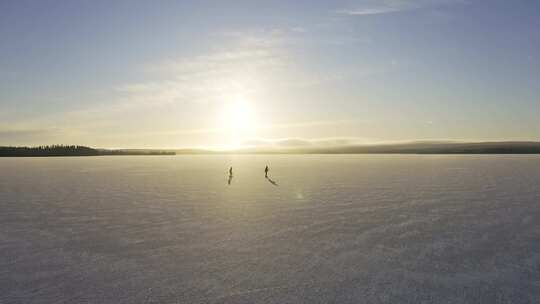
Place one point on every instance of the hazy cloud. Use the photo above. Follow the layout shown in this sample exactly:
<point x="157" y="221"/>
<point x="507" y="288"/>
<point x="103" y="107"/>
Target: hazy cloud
<point x="301" y="142"/>
<point x="392" y="6"/>
<point x="370" y="11"/>
<point x="227" y="70"/>
<point x="27" y="136"/>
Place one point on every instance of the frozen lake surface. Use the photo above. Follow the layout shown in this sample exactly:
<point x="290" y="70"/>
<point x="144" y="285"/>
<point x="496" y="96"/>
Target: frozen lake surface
<point x="335" y="229"/>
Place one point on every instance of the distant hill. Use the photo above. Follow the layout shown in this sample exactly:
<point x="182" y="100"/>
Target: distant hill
<point x="396" y="148"/>
<point x="66" y="150"/>
<point x="437" y="148"/>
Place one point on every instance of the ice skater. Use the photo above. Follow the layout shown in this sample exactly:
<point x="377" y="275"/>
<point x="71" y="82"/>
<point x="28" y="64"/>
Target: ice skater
<point x="230" y="176"/>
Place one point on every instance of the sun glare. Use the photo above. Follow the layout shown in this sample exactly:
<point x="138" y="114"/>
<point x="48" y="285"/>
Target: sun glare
<point x="240" y="118"/>
<point x="239" y="122"/>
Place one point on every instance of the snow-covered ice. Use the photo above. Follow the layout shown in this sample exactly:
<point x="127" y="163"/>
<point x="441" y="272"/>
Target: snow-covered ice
<point x="335" y="229"/>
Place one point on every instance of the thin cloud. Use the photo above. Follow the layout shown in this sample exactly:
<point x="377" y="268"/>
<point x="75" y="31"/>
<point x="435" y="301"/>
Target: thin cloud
<point x="27" y="136"/>
<point x="302" y="142"/>
<point x="229" y="70"/>
<point x="393" y="6"/>
<point x="369" y="11"/>
<point x="222" y="130"/>
<point x="308" y="124"/>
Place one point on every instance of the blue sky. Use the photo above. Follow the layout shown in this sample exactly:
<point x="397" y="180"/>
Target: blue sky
<point x="227" y="73"/>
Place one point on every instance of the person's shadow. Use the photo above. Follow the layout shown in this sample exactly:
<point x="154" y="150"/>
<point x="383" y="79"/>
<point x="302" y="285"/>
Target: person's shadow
<point x="271" y="181"/>
<point x="230" y="179"/>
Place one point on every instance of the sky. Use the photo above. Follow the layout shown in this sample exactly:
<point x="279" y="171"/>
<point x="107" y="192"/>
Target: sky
<point x="227" y="74"/>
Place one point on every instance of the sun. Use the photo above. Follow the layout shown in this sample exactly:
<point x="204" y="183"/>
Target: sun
<point x="238" y="123"/>
<point x="239" y="117"/>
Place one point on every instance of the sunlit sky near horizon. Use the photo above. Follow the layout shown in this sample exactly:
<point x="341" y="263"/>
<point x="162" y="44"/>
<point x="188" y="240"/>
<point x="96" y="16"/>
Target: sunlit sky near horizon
<point x="173" y="74"/>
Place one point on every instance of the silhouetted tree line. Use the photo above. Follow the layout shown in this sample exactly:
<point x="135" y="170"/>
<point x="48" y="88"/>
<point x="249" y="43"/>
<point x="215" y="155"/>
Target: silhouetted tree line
<point x="136" y="152"/>
<point x="54" y="150"/>
<point x="66" y="150"/>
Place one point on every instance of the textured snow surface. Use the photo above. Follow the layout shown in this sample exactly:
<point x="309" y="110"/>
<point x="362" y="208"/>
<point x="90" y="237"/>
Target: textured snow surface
<point x="335" y="229"/>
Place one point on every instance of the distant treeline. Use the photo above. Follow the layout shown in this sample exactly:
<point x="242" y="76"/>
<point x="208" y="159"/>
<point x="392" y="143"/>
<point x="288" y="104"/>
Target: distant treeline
<point x="54" y="150"/>
<point x="65" y="150"/>
<point x="508" y="147"/>
<point x="136" y="152"/>
<point x="403" y="148"/>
